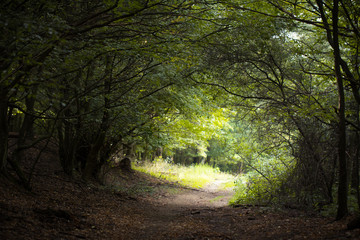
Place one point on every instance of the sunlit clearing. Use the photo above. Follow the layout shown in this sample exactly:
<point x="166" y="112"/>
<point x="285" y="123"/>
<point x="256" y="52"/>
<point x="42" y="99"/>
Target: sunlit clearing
<point x="196" y="176"/>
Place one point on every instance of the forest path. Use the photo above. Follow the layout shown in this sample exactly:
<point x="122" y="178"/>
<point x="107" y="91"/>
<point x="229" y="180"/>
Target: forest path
<point x="205" y="214"/>
<point x="213" y="195"/>
<point x="187" y="214"/>
<point x="64" y="208"/>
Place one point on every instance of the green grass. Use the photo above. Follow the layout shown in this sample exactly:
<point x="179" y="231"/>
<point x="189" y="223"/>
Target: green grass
<point x="230" y="184"/>
<point x="217" y="198"/>
<point x="196" y="176"/>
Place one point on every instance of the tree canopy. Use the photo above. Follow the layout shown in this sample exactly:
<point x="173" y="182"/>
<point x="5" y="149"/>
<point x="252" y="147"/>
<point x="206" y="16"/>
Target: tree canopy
<point x="264" y="88"/>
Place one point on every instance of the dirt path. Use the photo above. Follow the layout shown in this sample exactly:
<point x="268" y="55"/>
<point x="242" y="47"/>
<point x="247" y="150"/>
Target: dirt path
<point x="204" y="214"/>
<point x="211" y="196"/>
<point x="63" y="208"/>
<point x="179" y="216"/>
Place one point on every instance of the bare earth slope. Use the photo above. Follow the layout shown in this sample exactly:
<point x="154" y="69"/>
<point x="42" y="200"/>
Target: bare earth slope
<point x="141" y="207"/>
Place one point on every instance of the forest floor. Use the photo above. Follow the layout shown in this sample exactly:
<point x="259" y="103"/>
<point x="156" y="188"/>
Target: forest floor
<point x="133" y="205"/>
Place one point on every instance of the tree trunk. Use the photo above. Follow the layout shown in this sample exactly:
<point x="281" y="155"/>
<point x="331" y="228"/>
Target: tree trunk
<point x="343" y="175"/>
<point x="93" y="158"/>
<point x="27" y="129"/>
<point x="333" y="39"/>
<point x="67" y="144"/>
<point x="355" y="171"/>
<point x="3" y="130"/>
<point x="355" y="161"/>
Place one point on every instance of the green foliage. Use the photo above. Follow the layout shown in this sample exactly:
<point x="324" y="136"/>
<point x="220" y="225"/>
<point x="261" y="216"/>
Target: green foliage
<point x="196" y="176"/>
<point x="264" y="184"/>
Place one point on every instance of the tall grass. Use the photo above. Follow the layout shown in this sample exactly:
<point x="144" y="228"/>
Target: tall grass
<point x="196" y="176"/>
